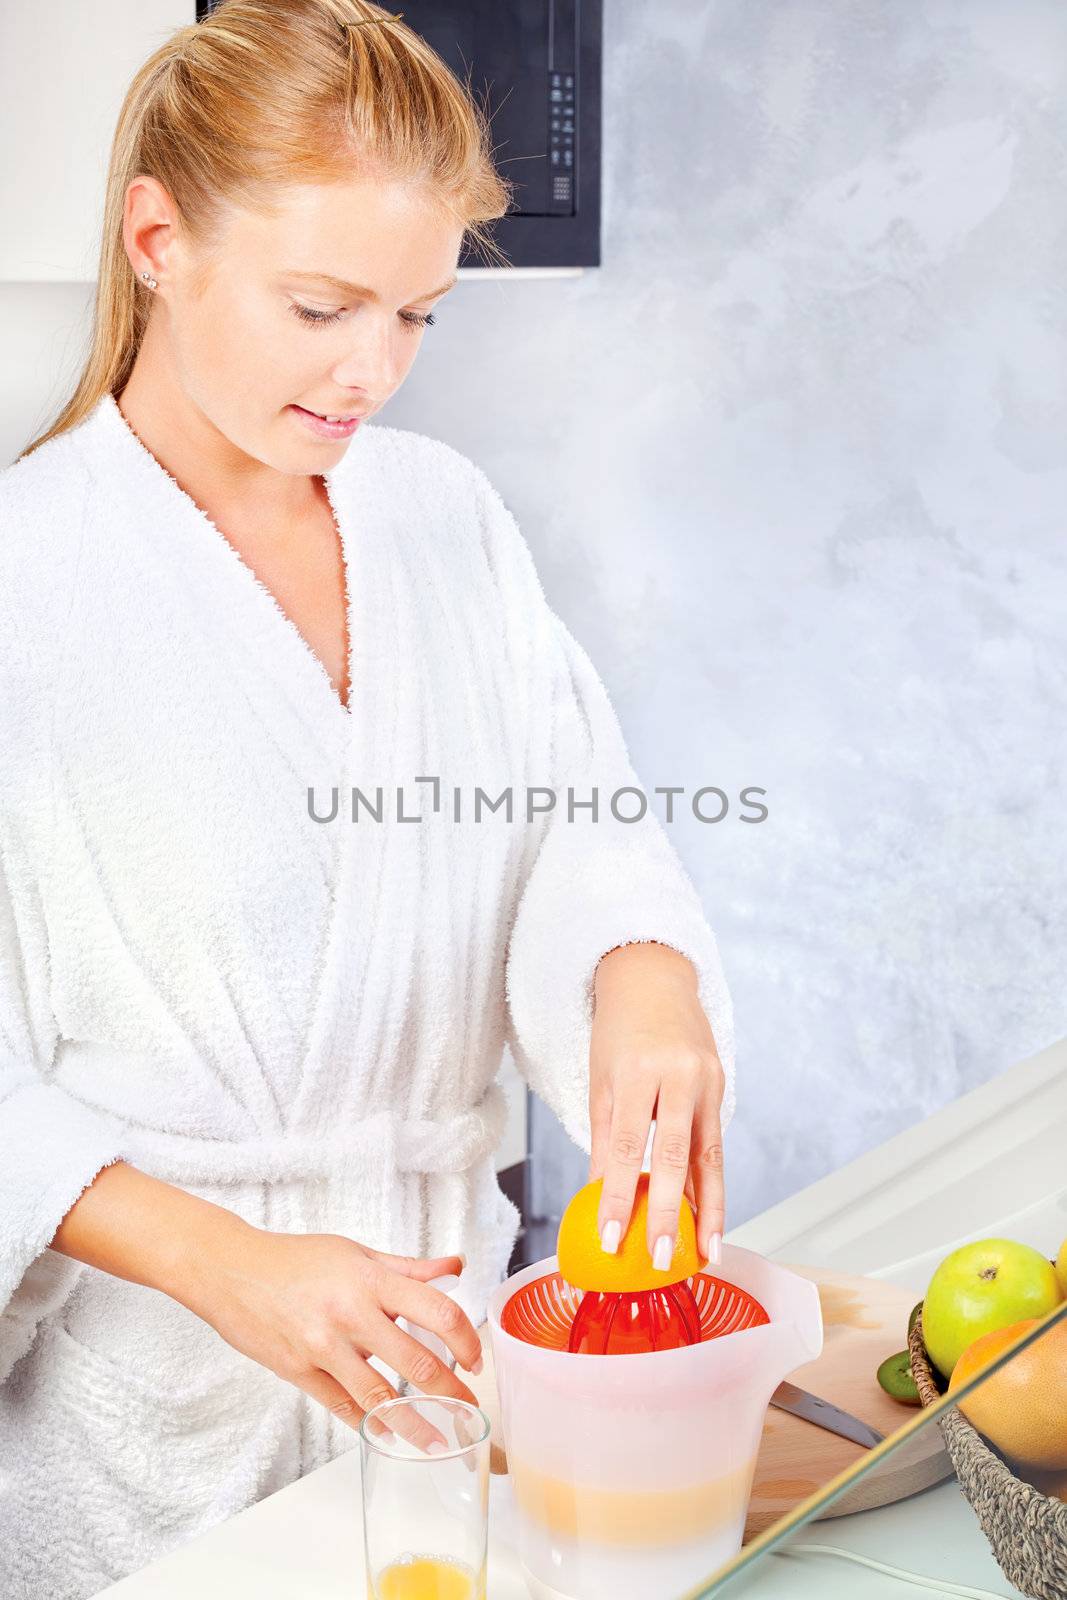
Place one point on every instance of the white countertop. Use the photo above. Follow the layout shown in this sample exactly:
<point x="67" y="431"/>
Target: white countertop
<point x="992" y="1162"/>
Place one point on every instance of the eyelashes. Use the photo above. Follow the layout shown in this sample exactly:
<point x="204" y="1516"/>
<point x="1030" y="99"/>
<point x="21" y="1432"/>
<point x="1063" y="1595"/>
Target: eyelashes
<point x="414" y="319"/>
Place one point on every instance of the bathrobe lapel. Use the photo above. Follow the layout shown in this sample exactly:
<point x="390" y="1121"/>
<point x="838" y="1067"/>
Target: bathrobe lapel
<point x="361" y="905"/>
<point x="271" y="679"/>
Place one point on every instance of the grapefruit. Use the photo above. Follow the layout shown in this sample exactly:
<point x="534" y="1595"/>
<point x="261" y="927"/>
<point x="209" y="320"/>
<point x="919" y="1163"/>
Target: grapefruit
<point x="1022" y="1408"/>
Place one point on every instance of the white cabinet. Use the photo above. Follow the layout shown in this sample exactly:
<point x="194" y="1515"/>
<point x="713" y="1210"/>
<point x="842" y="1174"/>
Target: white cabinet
<point x="65" y="67"/>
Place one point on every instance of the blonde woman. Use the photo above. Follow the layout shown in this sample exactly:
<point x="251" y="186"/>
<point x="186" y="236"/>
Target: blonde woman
<point x="249" y="1045"/>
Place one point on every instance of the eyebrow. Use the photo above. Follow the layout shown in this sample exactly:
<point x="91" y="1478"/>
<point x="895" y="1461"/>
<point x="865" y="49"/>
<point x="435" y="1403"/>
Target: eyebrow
<point x="359" y="288"/>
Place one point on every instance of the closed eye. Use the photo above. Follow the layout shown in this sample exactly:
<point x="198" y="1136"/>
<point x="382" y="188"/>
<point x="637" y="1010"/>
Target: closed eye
<point x="414" y="319"/>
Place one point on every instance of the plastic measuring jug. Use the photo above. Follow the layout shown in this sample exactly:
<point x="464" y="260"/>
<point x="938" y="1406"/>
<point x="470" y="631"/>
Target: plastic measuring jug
<point x="632" y="1472"/>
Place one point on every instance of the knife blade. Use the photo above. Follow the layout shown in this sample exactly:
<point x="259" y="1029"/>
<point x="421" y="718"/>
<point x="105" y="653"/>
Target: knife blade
<point x="799" y="1403"/>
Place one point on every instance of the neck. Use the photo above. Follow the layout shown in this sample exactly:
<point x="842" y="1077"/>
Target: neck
<point x="221" y="477"/>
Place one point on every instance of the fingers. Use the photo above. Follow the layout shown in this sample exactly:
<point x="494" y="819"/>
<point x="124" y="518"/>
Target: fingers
<point x="417" y="1266"/>
<point x="468" y="1429"/>
<point x="429" y="1308"/>
<point x="324" y="1388"/>
<point x="337" y="1373"/>
<point x="362" y="1388"/>
<point x="413" y="1361"/>
<point x="707" y="1165"/>
<point x="350" y="1387"/>
<point x="686" y="1156"/>
<point x="670" y="1165"/>
<point x="600" y="1100"/>
<point x="631" y="1118"/>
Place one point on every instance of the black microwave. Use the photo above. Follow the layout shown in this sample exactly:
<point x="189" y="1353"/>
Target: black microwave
<point x="535" y="66"/>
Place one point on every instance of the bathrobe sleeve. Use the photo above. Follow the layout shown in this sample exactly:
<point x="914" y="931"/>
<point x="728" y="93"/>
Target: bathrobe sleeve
<point x="51" y="1145"/>
<point x="591" y="884"/>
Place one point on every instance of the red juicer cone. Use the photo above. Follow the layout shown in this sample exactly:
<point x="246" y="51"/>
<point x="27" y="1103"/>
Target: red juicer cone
<point x="544" y="1313"/>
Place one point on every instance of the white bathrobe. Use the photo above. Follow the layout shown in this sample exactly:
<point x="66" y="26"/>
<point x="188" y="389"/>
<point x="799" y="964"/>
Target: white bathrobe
<point x="300" y="1019"/>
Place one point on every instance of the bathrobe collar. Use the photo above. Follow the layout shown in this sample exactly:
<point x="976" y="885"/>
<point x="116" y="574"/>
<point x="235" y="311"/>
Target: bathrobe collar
<point x="114" y="450"/>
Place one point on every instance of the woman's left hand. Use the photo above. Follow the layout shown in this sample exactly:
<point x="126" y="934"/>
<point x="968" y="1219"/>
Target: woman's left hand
<point x="653" y="1056"/>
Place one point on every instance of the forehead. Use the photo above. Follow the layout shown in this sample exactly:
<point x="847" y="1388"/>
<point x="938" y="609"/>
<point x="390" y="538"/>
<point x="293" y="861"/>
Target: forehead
<point x="354" y="230"/>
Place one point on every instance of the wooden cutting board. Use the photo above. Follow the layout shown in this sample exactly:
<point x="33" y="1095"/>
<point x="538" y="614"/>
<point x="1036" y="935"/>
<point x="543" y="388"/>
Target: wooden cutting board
<point x="864" y="1321"/>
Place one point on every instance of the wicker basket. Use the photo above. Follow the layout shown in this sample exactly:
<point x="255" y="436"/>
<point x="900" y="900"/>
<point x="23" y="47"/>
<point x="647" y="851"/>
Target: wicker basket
<point x="1027" y="1529"/>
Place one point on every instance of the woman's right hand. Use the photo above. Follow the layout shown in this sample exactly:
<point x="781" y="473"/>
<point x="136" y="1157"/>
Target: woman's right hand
<point x="313" y="1307"/>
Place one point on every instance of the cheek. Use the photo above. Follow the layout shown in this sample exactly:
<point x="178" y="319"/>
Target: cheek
<point x="225" y="341"/>
<point x="278" y="359"/>
<point x="406" y="349"/>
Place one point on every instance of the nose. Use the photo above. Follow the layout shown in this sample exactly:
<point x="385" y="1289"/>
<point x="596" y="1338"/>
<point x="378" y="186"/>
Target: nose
<point x="371" y="365"/>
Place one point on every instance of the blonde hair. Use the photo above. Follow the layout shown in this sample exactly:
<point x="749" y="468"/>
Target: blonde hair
<point x="279" y="91"/>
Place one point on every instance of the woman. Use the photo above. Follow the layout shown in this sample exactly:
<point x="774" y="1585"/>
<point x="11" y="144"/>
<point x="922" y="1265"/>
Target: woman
<point x="249" y="1044"/>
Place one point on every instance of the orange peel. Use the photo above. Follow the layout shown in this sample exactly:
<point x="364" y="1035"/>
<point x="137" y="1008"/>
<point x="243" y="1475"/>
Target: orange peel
<point x="586" y="1265"/>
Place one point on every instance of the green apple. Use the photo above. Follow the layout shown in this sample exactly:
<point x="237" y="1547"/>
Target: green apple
<point x="981" y="1287"/>
<point x="1061" y="1266"/>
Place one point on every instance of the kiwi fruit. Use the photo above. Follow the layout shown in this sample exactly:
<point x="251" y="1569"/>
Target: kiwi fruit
<point x="895" y="1377"/>
<point x="914" y="1313"/>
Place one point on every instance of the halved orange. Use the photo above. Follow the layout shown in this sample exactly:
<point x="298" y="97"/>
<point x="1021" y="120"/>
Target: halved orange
<point x="585" y="1265"/>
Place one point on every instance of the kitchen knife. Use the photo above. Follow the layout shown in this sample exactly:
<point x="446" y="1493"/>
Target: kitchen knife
<point x="799" y="1403"/>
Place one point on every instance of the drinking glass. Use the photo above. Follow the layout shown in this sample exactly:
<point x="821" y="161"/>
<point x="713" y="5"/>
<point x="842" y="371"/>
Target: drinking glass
<point x="425" y="1498"/>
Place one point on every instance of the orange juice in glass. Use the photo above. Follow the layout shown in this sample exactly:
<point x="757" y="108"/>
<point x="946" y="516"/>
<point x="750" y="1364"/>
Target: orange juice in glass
<point x="428" y="1578"/>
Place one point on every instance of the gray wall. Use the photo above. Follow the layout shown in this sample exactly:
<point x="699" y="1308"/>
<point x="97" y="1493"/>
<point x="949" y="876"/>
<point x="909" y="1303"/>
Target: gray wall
<point x="793" y="467"/>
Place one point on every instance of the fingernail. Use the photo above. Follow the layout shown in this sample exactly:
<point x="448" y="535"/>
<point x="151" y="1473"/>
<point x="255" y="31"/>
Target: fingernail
<point x="715" y="1249"/>
<point x="478" y="1365"/>
<point x="609" y="1239"/>
<point x="661" y="1256"/>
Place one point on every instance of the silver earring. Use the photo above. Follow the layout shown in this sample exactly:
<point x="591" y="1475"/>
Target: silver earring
<point x="151" y="282"/>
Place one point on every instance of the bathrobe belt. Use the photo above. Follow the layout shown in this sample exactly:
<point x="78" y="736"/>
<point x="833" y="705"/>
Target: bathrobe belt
<point x="418" y="1144"/>
<point x="367" y="1158"/>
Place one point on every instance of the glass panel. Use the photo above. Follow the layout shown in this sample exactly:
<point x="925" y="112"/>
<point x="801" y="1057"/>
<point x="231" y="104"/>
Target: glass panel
<point x="930" y="1542"/>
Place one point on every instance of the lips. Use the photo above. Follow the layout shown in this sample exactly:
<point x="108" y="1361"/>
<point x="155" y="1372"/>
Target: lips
<point x="319" y="423"/>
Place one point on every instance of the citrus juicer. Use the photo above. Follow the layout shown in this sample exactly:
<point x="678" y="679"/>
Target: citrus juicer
<point x="632" y="1470"/>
